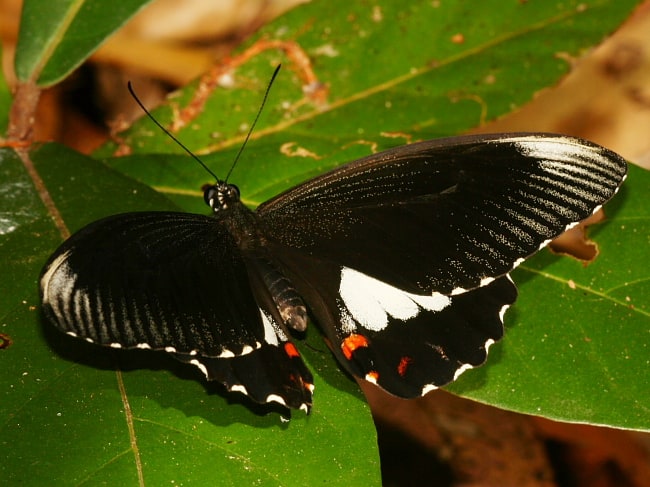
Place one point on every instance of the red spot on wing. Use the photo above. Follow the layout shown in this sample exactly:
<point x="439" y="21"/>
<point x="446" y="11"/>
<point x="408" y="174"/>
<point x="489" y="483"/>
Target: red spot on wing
<point x="404" y="365"/>
<point x="351" y="343"/>
<point x="291" y="350"/>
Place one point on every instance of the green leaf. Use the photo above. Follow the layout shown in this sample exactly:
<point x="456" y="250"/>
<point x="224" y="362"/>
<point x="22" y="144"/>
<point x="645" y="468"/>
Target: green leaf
<point x="577" y="342"/>
<point x="394" y="75"/>
<point x="56" y="36"/>
<point x="64" y="404"/>
<point x="390" y="68"/>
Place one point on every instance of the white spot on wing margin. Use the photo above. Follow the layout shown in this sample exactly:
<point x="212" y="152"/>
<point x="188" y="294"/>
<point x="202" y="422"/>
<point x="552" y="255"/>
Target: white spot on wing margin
<point x="371" y="378"/>
<point x="275" y="398"/>
<point x="201" y="367"/>
<point x="488" y="343"/>
<point x="428" y="388"/>
<point x="239" y="388"/>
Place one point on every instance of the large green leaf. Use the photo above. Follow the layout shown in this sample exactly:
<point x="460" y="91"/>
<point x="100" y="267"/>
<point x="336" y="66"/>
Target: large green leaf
<point x="391" y="69"/>
<point x="56" y="36"/>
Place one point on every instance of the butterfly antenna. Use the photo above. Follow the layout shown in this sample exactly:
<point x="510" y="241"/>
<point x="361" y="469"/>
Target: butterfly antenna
<point x="259" y="112"/>
<point x="196" y="158"/>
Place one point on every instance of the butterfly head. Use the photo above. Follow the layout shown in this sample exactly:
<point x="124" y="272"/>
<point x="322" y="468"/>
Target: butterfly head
<point x="220" y="196"/>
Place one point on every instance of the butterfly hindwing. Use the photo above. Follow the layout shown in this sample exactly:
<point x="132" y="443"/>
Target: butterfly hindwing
<point x="409" y="344"/>
<point x="174" y="282"/>
<point x="406" y="343"/>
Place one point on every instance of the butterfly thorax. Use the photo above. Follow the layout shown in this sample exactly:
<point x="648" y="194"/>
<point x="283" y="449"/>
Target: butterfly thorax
<point x="242" y="223"/>
<point x="244" y="226"/>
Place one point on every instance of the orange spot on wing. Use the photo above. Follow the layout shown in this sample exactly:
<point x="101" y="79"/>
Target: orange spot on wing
<point x="291" y="350"/>
<point x="351" y="343"/>
<point x="404" y="365"/>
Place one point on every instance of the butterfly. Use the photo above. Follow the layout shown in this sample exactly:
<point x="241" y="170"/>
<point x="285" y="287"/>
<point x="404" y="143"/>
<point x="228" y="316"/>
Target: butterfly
<point x="402" y="258"/>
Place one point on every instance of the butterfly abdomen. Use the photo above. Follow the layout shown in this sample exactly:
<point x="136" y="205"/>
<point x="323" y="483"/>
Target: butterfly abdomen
<point x="288" y="302"/>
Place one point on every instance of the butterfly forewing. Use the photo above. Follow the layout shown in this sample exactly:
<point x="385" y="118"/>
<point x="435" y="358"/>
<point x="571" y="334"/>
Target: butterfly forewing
<point x="445" y="215"/>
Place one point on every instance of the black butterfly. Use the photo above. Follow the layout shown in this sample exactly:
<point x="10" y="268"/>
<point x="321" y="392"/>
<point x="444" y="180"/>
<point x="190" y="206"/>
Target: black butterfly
<point x="401" y="257"/>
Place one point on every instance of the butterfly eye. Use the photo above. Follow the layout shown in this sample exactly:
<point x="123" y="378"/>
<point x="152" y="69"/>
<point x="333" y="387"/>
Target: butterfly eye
<point x="232" y="193"/>
<point x="209" y="194"/>
<point x="227" y="194"/>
